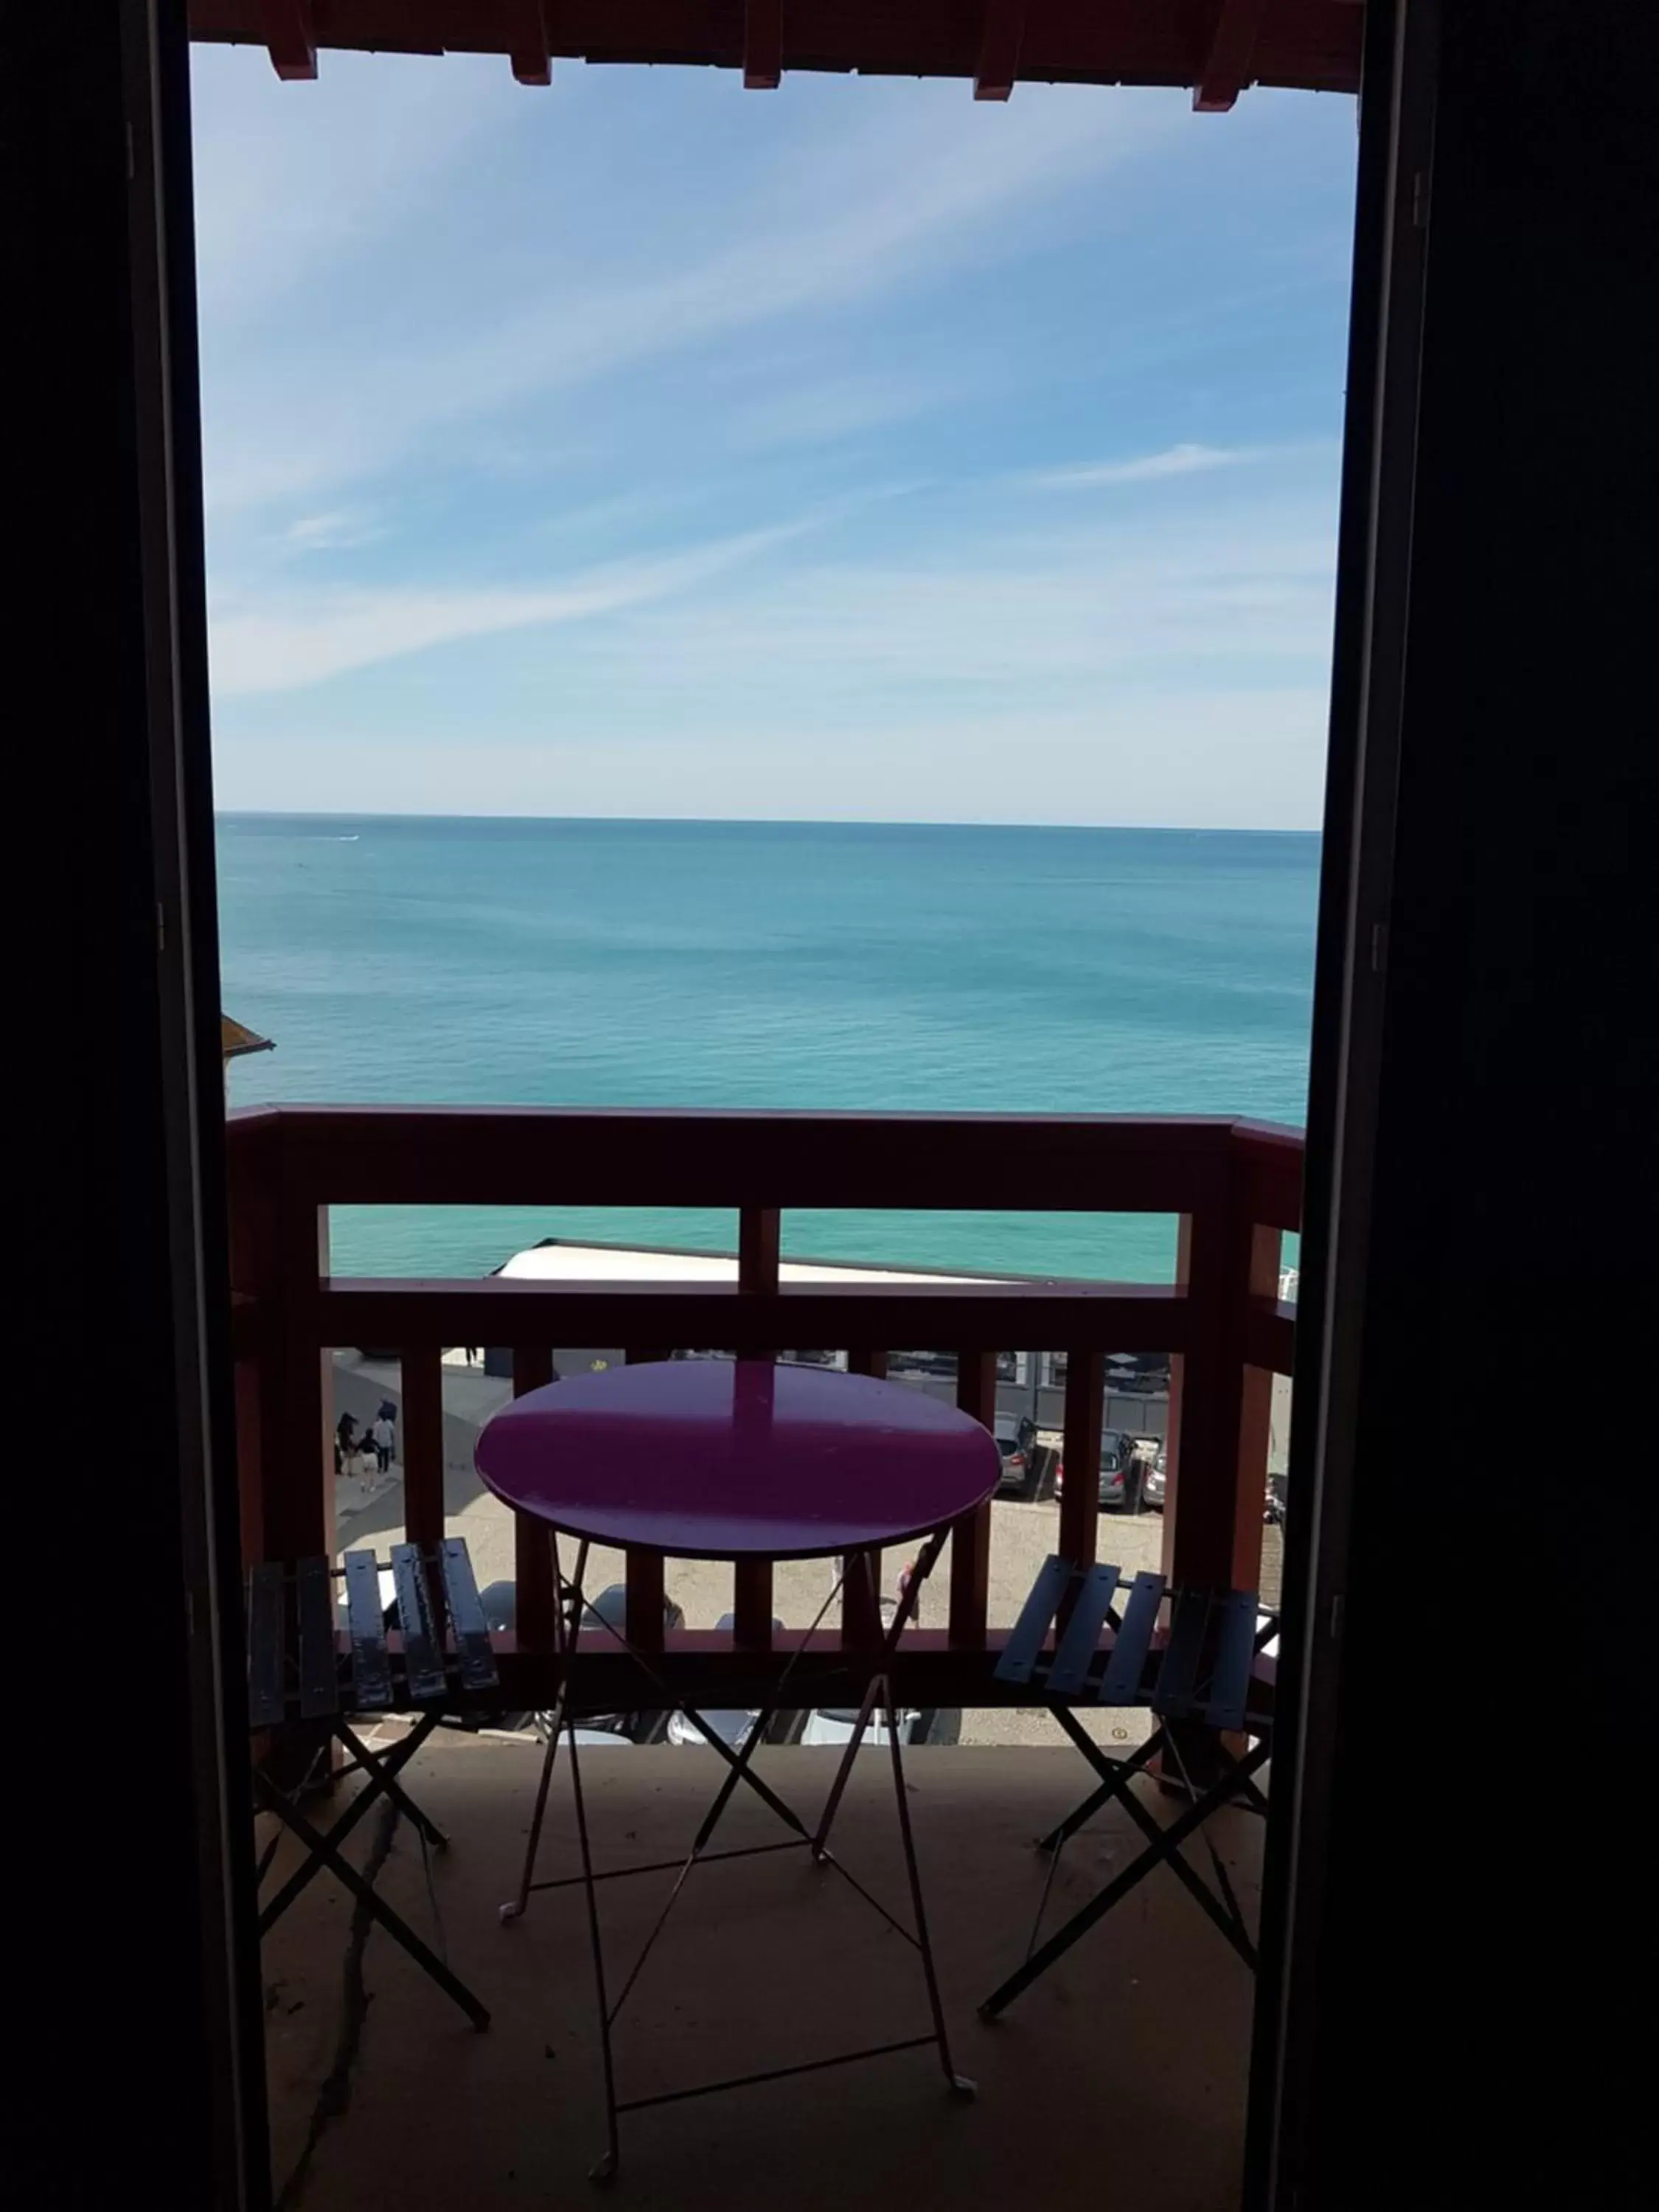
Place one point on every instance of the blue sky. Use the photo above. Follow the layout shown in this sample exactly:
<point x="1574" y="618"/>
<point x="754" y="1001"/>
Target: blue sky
<point x="645" y="446"/>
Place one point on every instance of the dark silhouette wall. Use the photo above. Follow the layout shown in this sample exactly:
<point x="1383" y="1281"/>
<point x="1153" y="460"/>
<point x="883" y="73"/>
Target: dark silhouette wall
<point x="1481" y="1989"/>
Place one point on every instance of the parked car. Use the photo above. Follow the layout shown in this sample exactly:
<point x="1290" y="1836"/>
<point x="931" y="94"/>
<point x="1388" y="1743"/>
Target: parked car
<point x="731" y="1723"/>
<point x="499" y="1601"/>
<point x="1027" y="1465"/>
<point x="834" y="1725"/>
<point x="1138" y="1374"/>
<point x="1121" y="1473"/>
<point x="1155" y="1480"/>
<point x="784" y="1358"/>
<point x="941" y="1366"/>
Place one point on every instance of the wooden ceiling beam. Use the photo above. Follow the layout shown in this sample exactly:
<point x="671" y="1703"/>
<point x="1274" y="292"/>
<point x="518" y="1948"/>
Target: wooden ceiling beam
<point x="763" y="45"/>
<point x="529" y="50"/>
<point x="998" y="52"/>
<point x="1212" y="48"/>
<point x="290" y="40"/>
<point x="1229" y="52"/>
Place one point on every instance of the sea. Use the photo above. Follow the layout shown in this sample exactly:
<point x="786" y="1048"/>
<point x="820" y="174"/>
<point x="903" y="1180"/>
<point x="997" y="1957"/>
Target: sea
<point x="417" y="959"/>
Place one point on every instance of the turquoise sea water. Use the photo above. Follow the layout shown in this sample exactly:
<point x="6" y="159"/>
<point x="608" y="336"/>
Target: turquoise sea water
<point x="401" y="960"/>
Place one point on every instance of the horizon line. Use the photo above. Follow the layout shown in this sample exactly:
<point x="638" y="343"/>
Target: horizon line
<point x="763" y="822"/>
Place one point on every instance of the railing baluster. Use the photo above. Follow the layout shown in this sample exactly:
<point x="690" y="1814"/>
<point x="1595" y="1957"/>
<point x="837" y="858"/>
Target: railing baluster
<point x="296" y="1392"/>
<point x="1079" y="1504"/>
<point x="423" y="1442"/>
<point x="252" y="1224"/>
<point x="297" y="1397"/>
<point x="423" y="1425"/>
<point x="296" y="1411"/>
<point x="760" y="1243"/>
<point x="970" y="1537"/>
<point x="532" y="1554"/>
<point x="642" y="1570"/>
<point x="250" y="1483"/>
<point x="752" y="1604"/>
<point x="860" y="1614"/>
<point x="644" y="1580"/>
<point x="1220" y="1410"/>
<point x="760" y="1247"/>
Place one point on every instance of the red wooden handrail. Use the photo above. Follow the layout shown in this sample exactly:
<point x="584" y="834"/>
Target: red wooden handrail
<point x="508" y="1309"/>
<point x="544" y="1156"/>
<point x="1233" y="1185"/>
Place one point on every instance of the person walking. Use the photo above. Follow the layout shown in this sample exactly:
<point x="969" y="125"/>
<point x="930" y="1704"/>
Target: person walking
<point x="345" y="1442"/>
<point x="384" y="1434"/>
<point x="905" y="1574"/>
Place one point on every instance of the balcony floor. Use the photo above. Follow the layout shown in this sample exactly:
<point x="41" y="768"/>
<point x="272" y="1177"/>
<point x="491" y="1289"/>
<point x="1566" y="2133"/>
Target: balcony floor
<point x="1122" y="2073"/>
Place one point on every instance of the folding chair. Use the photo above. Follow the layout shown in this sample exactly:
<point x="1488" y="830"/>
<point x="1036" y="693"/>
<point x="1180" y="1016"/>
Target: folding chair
<point x="1203" y="1673"/>
<point x="297" y="1681"/>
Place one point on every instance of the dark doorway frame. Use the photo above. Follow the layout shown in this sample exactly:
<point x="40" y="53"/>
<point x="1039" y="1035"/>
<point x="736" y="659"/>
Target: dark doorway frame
<point x="133" y="1951"/>
<point x="1453" y="1886"/>
<point x="1379" y="461"/>
<point x="144" y="124"/>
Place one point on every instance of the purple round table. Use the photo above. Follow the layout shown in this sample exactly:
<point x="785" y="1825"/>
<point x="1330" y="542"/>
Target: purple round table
<point x="717" y="1459"/>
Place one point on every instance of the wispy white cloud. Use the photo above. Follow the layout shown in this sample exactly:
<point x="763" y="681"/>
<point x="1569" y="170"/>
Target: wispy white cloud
<point x="281" y="196"/>
<point x="914" y="195"/>
<point x="281" y="641"/>
<point x="781" y="636"/>
<point x="1182" y="460"/>
<point x="329" y="534"/>
<point x="521" y="386"/>
<point x="1203" y="600"/>
<point x="823" y="410"/>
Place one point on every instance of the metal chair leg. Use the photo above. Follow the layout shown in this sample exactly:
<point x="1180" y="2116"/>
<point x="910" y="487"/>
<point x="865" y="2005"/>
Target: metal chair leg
<point x="1230" y="1924"/>
<point x="1170" y="1841"/>
<point x="1232" y="1920"/>
<point x="1115" y="1775"/>
<point x="381" y="1783"/>
<point x="384" y="1771"/>
<point x="373" y="1903"/>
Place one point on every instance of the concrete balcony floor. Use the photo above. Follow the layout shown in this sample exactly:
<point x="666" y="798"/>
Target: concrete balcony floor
<point x="1119" y="2078"/>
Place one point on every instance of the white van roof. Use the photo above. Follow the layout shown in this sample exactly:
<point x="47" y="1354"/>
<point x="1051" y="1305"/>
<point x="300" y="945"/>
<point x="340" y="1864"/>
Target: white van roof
<point x="555" y="1261"/>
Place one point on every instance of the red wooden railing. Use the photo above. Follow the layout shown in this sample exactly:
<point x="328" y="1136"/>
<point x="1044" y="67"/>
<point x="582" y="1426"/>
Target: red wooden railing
<point x="1236" y="1186"/>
